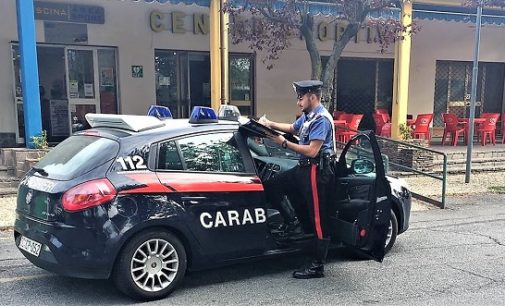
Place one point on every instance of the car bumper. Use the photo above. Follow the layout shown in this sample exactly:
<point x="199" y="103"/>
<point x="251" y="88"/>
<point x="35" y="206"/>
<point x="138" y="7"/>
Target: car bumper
<point x="68" y="251"/>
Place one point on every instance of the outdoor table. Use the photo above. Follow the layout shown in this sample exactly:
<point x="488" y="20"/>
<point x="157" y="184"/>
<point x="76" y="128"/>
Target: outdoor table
<point x="465" y="121"/>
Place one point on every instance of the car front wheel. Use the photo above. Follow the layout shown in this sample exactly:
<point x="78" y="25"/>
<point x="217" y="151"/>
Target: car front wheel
<point x="392" y="233"/>
<point x="150" y="266"/>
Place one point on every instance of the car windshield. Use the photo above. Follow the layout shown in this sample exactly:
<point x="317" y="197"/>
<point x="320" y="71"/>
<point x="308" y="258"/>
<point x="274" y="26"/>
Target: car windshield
<point x="266" y="147"/>
<point x="77" y="155"/>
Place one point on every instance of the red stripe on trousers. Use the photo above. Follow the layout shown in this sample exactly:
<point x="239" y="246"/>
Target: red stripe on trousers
<point x="315" y="202"/>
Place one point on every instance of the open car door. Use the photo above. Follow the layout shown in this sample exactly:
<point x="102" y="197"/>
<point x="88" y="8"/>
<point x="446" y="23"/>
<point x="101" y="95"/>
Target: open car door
<point x="360" y="215"/>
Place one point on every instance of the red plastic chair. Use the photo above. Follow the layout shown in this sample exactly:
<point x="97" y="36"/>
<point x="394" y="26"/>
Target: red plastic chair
<point x="336" y="114"/>
<point x="379" y="122"/>
<point x="488" y="127"/>
<point x="352" y="128"/>
<point x="386" y="130"/>
<point x="422" y="126"/>
<point x="503" y="127"/>
<point x="452" y="127"/>
<point x="385" y="114"/>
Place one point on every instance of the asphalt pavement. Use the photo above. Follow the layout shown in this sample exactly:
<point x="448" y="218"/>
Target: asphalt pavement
<point x="447" y="257"/>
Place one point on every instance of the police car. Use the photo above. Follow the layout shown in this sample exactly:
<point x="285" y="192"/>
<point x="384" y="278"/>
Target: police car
<point x="142" y="200"/>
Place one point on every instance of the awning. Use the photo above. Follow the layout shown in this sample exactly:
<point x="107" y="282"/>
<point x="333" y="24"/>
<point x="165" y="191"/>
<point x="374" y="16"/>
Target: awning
<point x="313" y="7"/>
<point x="187" y="2"/>
<point x="457" y="14"/>
<point x="329" y="9"/>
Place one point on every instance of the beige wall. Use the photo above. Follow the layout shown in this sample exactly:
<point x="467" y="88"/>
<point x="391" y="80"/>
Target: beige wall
<point x="127" y="28"/>
<point x="446" y="41"/>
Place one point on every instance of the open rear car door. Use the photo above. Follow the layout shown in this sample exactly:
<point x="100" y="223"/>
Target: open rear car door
<point x="361" y="212"/>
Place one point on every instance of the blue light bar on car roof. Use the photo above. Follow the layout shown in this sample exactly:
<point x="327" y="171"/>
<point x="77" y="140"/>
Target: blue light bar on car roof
<point x="229" y="112"/>
<point x="202" y="114"/>
<point x="125" y="122"/>
<point x="160" y="112"/>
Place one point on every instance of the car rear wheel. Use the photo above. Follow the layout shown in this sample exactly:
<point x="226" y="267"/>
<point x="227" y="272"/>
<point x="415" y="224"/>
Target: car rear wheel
<point x="150" y="266"/>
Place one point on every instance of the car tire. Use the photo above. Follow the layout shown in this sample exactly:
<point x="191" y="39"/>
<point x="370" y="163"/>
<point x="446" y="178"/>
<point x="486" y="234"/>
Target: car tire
<point x="392" y="233"/>
<point x="150" y="266"/>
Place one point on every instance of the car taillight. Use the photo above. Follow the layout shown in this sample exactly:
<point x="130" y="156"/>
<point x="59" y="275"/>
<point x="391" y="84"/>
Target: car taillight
<point x="89" y="194"/>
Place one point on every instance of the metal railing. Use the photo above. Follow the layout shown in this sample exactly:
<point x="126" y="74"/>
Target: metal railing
<point x="443" y="177"/>
<point x="387" y="163"/>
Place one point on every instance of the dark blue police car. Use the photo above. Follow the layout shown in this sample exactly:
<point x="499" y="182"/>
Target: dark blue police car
<point x="141" y="200"/>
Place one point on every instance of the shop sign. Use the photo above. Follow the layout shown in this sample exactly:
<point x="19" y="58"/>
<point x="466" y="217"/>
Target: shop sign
<point x="176" y="22"/>
<point x="137" y="71"/>
<point x="69" y="12"/>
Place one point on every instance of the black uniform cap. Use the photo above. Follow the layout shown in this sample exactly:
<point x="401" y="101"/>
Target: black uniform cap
<point x="303" y="87"/>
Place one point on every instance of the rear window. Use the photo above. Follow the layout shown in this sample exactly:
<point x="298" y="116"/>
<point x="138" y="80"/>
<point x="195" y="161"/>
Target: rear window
<point x="78" y="155"/>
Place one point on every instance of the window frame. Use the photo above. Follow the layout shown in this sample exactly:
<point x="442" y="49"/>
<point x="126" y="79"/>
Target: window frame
<point x="249" y="168"/>
<point x="252" y="82"/>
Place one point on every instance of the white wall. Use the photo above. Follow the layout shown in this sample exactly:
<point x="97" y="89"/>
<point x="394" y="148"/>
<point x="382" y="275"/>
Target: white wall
<point x="446" y="41"/>
<point x="127" y="28"/>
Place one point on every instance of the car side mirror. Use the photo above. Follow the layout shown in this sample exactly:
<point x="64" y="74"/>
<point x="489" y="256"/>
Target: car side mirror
<point x="362" y="166"/>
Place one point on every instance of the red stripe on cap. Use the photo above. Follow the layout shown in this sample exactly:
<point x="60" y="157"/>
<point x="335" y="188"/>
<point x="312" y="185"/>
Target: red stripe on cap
<point x="315" y="202"/>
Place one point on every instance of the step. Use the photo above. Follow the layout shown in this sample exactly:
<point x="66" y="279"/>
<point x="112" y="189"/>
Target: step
<point x="475" y="161"/>
<point x="462" y="155"/>
<point x="6" y="171"/>
<point x="8" y="192"/>
<point x="9" y="182"/>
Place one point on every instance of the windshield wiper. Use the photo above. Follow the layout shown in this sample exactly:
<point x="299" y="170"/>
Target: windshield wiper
<point x="41" y="171"/>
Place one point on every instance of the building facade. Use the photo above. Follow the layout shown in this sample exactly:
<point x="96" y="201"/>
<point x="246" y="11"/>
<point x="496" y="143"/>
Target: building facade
<point x="122" y="56"/>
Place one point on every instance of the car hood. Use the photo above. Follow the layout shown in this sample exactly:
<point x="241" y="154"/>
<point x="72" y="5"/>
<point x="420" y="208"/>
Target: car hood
<point x="397" y="183"/>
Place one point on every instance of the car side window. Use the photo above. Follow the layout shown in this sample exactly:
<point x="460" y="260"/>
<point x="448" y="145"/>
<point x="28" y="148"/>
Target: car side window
<point x="168" y="157"/>
<point x="213" y="152"/>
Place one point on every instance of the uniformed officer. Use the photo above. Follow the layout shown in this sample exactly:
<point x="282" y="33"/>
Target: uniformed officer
<point x="314" y="172"/>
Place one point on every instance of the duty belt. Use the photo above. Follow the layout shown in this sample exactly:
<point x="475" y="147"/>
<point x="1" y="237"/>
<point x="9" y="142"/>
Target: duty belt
<point x="321" y="159"/>
<point x="305" y="162"/>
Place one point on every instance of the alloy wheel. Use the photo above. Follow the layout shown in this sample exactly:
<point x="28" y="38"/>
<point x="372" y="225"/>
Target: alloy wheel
<point x="154" y="265"/>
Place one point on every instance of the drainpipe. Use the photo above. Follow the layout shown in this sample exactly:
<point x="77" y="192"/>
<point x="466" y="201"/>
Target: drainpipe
<point x="215" y="54"/>
<point x="224" y="21"/>
<point x="29" y="70"/>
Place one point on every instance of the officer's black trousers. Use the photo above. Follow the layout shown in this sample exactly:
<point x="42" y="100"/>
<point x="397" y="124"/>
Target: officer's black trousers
<point x="305" y="182"/>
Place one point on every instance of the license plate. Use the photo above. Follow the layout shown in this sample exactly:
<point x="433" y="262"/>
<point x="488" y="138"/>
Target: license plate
<point x="30" y="246"/>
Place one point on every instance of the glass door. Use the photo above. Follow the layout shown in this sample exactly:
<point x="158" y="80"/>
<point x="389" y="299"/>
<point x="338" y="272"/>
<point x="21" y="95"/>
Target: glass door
<point x="82" y="84"/>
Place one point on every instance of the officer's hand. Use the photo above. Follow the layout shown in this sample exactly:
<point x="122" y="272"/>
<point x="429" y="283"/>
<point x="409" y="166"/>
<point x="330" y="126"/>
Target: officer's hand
<point x="278" y="139"/>
<point x="263" y="120"/>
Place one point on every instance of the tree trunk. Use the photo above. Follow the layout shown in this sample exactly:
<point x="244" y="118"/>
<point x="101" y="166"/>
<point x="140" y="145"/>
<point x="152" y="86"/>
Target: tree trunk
<point x="329" y="71"/>
<point x="310" y="42"/>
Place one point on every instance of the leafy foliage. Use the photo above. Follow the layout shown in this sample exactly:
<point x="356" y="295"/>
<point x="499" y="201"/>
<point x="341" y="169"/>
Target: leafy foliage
<point x="405" y="132"/>
<point x="271" y="25"/>
<point x="40" y="141"/>
<point x="486" y="3"/>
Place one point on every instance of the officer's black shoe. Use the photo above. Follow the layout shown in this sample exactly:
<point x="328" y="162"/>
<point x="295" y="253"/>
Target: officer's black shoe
<point x="314" y="270"/>
<point x="290" y="230"/>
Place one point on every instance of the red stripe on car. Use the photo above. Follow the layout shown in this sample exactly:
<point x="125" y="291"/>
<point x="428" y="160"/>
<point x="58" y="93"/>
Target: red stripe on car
<point x="204" y="182"/>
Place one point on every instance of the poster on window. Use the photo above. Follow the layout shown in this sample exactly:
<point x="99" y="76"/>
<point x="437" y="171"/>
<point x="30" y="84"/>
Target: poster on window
<point x="106" y="76"/>
<point x="59" y="117"/>
<point x="88" y="90"/>
<point x="74" y="89"/>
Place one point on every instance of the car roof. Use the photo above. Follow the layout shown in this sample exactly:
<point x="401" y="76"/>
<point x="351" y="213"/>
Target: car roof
<point x="166" y="129"/>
